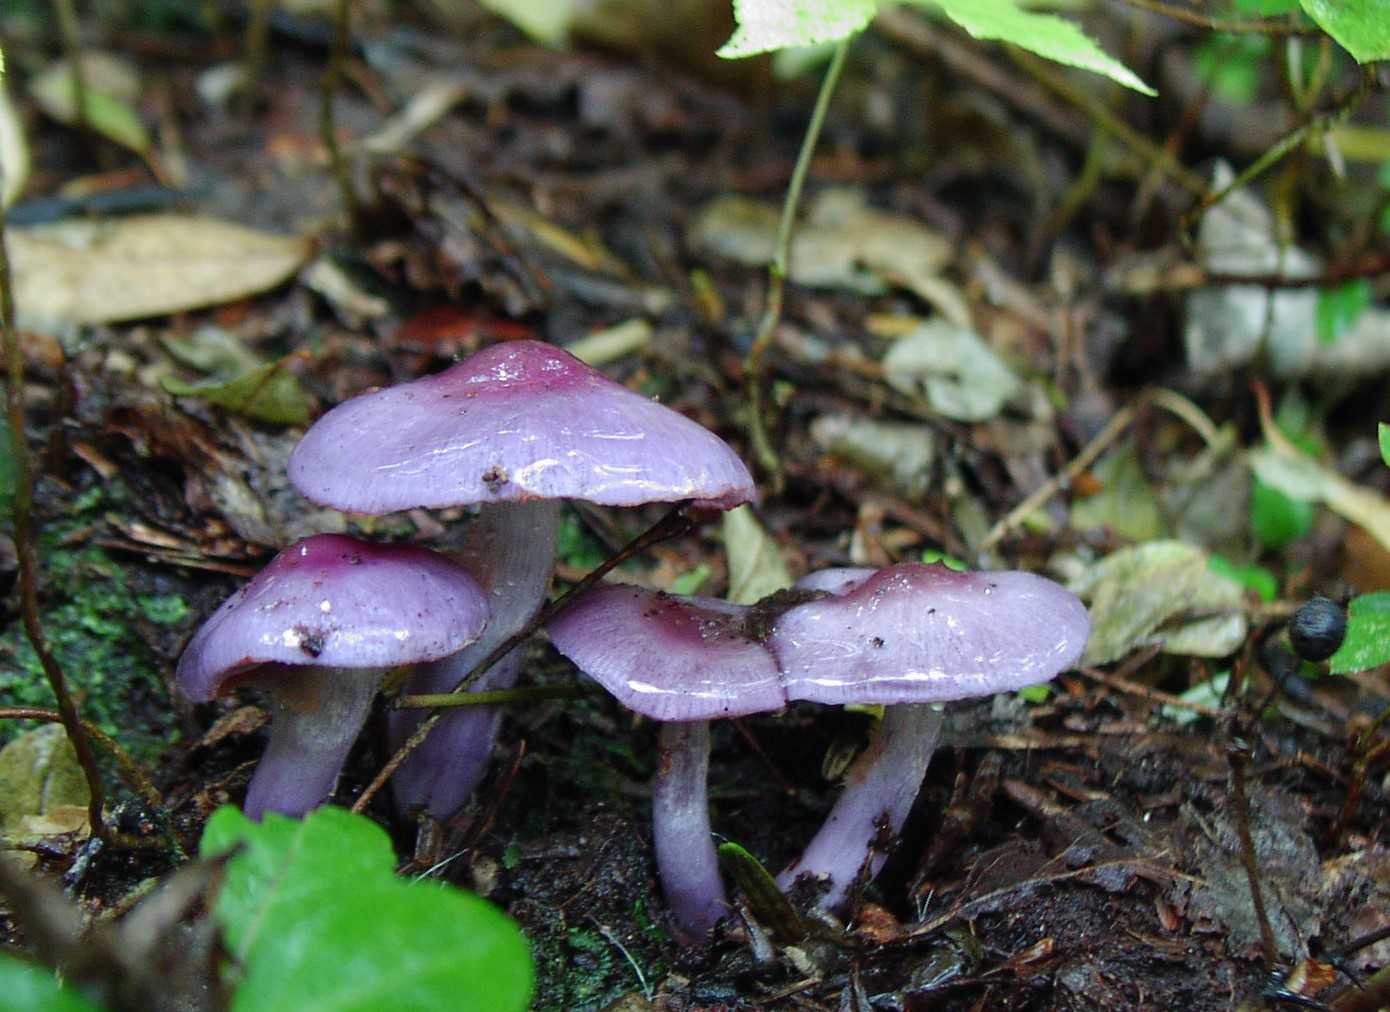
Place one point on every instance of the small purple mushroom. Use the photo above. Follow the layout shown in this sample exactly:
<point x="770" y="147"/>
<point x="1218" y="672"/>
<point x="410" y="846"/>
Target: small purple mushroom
<point x="910" y="634"/>
<point x="318" y="629"/>
<point x="682" y="661"/>
<point x="514" y="429"/>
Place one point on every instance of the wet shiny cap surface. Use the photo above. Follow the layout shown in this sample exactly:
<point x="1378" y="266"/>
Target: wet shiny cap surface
<point x="519" y="420"/>
<point x="925" y="633"/>
<point x="669" y="658"/>
<point x="332" y="600"/>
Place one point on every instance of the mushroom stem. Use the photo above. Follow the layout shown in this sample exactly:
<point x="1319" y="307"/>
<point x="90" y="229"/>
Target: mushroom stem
<point x="510" y="550"/>
<point x="879" y="790"/>
<point x="313" y="726"/>
<point x="685" y="856"/>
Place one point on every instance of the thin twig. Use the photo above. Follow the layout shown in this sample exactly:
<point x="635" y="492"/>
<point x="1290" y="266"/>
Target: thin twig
<point x="1254" y="26"/>
<point x="673" y="523"/>
<point x="253" y="61"/>
<point x="130" y="769"/>
<point x="1148" y="692"/>
<point x="24" y="550"/>
<point x="753" y="364"/>
<point x="328" y="134"/>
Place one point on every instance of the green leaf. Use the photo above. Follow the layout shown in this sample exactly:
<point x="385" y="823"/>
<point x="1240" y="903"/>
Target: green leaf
<point x="269" y="393"/>
<point x="1255" y="578"/>
<point x="765" y="25"/>
<point x="1339" y="308"/>
<point x="690" y="581"/>
<point x="1206" y="693"/>
<point x="1035" y="693"/>
<point x="1368" y="635"/>
<point x="317" y="922"/>
<point x="1383" y="432"/>
<point x="26" y="987"/>
<point x="1265" y="8"/>
<point x="930" y="555"/>
<point x="1361" y="26"/>
<point x="1278" y="518"/>
<point x="1231" y="65"/>
<point x="1044" y="34"/>
<point x="546" y="21"/>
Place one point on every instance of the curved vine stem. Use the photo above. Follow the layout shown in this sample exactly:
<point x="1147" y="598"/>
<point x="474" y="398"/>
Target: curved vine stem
<point x="754" y="365"/>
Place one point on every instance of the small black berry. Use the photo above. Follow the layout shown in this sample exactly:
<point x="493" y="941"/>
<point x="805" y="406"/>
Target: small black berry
<point x="1318" y="628"/>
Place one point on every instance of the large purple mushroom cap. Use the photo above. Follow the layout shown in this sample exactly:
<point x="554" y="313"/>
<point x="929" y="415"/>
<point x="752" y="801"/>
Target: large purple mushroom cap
<point x="318" y="629"/>
<point x="334" y="601"/>
<point x="669" y="658"/>
<point x="518" y="421"/>
<point x="925" y="633"/>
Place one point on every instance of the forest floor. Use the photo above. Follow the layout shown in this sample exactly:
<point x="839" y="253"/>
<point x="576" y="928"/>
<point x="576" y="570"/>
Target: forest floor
<point x="1078" y="851"/>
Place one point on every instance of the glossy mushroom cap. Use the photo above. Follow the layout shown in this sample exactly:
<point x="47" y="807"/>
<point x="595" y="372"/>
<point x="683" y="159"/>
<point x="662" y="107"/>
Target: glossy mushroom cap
<point x="334" y="601"/>
<point x="517" y="421"/>
<point x="669" y="658"/>
<point x="919" y="633"/>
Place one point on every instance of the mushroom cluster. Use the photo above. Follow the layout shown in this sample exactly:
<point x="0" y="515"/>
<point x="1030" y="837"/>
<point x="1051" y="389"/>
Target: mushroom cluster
<point x="512" y="431"/>
<point x="909" y="637"/>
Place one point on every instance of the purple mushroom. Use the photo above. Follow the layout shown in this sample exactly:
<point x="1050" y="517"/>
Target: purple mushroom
<point x="513" y="429"/>
<point x="910" y="635"/>
<point x="682" y="661"/>
<point x="318" y="629"/>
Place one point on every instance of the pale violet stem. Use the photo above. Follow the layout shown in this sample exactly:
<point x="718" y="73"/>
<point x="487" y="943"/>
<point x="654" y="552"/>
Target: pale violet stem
<point x="313" y="726"/>
<point x="878" y="794"/>
<point x="686" y="860"/>
<point x="510" y="551"/>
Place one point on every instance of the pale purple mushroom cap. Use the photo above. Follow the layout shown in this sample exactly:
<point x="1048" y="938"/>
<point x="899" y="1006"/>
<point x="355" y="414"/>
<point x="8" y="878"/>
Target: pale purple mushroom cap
<point x="517" y="421"/>
<point x="669" y="658"/>
<point x="334" y="601"/>
<point x="923" y="633"/>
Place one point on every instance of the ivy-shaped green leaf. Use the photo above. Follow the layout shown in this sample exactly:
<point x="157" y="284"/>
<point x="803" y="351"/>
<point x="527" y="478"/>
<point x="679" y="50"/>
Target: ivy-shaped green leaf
<point x="1361" y="26"/>
<point x="316" y="921"/>
<point x="1367" y="644"/>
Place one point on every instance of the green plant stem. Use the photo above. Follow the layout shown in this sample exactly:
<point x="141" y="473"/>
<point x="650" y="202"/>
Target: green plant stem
<point x="71" y="30"/>
<point x="257" y="30"/>
<point x="492" y="697"/>
<point x="673" y="523"/>
<point x="130" y="769"/>
<point x="754" y="364"/>
<point x="24" y="550"/>
<point x="328" y="134"/>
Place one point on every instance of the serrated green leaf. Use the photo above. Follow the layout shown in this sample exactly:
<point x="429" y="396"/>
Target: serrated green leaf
<point x="270" y="393"/>
<point x="1361" y="26"/>
<point x="1367" y="644"/>
<point x="26" y="987"/>
<point x="306" y="907"/>
<point x="1383" y="433"/>
<point x="1044" y="34"/>
<point x="765" y="25"/>
<point x="756" y="567"/>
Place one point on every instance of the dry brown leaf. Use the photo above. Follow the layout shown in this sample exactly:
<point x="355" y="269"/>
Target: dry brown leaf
<point x="146" y="265"/>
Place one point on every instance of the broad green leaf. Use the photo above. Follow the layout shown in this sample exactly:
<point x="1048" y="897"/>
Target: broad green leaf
<point x="316" y="921"/>
<point x="1277" y="518"/>
<point x="1368" y="635"/>
<point x="269" y="393"/>
<point x="756" y="568"/>
<point x="1044" y="34"/>
<point x="25" y="987"/>
<point x="1255" y="578"/>
<point x="1339" y="308"/>
<point x="765" y="25"/>
<point x="1361" y="26"/>
<point x="1383" y="432"/>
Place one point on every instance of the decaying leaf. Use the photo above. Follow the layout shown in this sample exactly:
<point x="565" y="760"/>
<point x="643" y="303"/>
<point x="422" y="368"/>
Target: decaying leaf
<point x="1292" y="472"/>
<point x="756" y="567"/>
<point x="39" y="775"/>
<point x="269" y="393"/>
<point x="1126" y="502"/>
<point x="843" y="243"/>
<point x="953" y="369"/>
<point x="1153" y="594"/>
<point x="83" y="272"/>
<point x="901" y="453"/>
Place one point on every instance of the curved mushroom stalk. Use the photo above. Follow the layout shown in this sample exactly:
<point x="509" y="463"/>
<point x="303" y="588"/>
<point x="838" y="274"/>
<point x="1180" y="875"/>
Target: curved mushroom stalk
<point x="313" y="726"/>
<point x="685" y="856"/>
<point x="510" y="551"/>
<point x="878" y="794"/>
